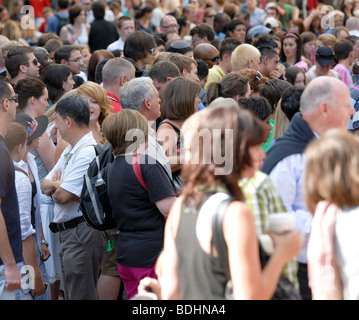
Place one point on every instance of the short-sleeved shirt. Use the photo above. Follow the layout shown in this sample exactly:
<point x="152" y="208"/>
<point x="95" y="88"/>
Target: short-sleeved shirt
<point x="73" y="162"/>
<point x="9" y="203"/>
<point x="140" y="223"/>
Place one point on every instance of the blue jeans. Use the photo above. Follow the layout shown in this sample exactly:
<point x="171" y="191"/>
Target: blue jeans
<point x="6" y="294"/>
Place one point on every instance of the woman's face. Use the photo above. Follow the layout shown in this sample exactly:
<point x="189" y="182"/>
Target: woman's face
<point x="290" y="48"/>
<point x="294" y="28"/>
<point x="42" y="103"/>
<point x="81" y="17"/>
<point x="95" y="109"/>
<point x="197" y="100"/>
<point x="210" y="18"/>
<point x="68" y="84"/>
<point x="309" y="48"/>
<point x="300" y="79"/>
<point x="257" y="155"/>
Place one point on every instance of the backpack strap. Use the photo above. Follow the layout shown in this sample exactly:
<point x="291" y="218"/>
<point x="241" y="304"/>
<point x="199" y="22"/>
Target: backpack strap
<point x="137" y="169"/>
<point x="21" y="170"/>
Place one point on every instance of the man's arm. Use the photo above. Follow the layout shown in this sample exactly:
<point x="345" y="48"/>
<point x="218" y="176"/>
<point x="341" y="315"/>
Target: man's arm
<point x="12" y="274"/>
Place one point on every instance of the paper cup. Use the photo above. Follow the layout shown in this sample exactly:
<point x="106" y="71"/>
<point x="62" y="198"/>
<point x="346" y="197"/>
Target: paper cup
<point x="281" y="222"/>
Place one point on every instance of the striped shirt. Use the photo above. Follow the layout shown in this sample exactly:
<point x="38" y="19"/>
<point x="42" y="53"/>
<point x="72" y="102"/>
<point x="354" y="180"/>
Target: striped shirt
<point x="262" y="198"/>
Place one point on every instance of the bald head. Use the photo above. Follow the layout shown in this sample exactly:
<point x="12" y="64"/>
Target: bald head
<point x="207" y="53"/>
<point x="325" y="104"/>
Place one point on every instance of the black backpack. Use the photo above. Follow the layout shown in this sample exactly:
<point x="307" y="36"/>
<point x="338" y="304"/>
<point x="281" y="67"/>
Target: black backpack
<point x="62" y="22"/>
<point x="94" y="201"/>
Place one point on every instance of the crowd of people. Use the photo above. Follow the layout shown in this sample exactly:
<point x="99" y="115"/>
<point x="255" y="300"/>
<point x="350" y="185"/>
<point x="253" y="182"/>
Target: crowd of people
<point x="230" y="108"/>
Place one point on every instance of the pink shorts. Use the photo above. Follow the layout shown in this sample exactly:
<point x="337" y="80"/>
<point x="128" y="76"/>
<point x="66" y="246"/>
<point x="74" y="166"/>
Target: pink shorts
<point x="131" y="277"/>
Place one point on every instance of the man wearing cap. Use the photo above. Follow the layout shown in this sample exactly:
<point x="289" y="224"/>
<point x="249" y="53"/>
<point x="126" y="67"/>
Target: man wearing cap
<point x="324" y="62"/>
<point x="81" y="247"/>
<point x="257" y="31"/>
<point x="10" y="230"/>
<point x="324" y="104"/>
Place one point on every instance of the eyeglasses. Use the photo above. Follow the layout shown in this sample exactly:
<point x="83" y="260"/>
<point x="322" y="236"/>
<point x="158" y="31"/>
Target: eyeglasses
<point x="35" y="62"/>
<point x="172" y="26"/>
<point x="14" y="98"/>
<point x="258" y="76"/>
<point x="77" y="60"/>
<point x="153" y="50"/>
<point x="215" y="59"/>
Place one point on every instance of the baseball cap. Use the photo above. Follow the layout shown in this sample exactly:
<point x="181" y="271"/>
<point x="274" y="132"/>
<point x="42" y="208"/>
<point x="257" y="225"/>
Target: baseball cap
<point x="35" y="127"/>
<point x="259" y="30"/>
<point x="271" y="22"/>
<point x="325" y="56"/>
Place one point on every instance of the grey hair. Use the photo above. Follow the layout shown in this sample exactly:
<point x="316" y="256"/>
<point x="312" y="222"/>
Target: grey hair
<point x="134" y="93"/>
<point x="315" y="93"/>
<point x="116" y="68"/>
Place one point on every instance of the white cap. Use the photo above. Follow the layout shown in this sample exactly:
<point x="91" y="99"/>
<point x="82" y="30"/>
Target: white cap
<point x="271" y="22"/>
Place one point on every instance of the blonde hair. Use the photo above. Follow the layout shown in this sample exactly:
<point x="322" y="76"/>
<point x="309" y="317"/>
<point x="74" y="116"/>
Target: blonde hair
<point x="281" y="121"/>
<point x="122" y="128"/>
<point x="332" y="170"/>
<point x="95" y="91"/>
<point x="242" y="54"/>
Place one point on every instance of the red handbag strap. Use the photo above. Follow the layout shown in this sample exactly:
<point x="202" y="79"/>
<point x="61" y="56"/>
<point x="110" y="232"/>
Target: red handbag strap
<point x="137" y="169"/>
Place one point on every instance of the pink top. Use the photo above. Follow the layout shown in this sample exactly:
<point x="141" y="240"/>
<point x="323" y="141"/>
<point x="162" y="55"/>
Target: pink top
<point x="344" y="73"/>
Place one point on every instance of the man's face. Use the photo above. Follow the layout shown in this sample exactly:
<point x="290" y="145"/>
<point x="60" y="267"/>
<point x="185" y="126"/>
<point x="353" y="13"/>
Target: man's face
<point x="272" y="64"/>
<point x="169" y="24"/>
<point x="356" y="50"/>
<point x="75" y="62"/>
<point x="211" y="57"/>
<point x="33" y="66"/>
<point x="192" y="74"/>
<point x="340" y="110"/>
<point x="196" y="40"/>
<point x="160" y="86"/>
<point x="12" y="104"/>
<point x="239" y="32"/>
<point x="127" y="27"/>
<point x="272" y="13"/>
<point x="61" y="125"/>
<point x="155" y="104"/>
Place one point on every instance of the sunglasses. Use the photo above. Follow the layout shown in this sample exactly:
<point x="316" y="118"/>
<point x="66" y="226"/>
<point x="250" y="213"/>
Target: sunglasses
<point x="215" y="59"/>
<point x="35" y="62"/>
<point x="258" y="76"/>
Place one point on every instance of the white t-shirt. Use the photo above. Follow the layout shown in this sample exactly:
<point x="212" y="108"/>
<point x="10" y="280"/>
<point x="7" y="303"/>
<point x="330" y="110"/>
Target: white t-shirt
<point x="72" y="172"/>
